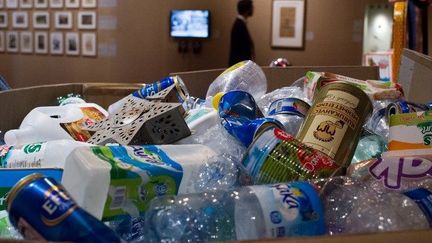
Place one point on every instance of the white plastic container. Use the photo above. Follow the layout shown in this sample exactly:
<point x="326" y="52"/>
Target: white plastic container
<point x="54" y="123"/>
<point x="110" y="181"/>
<point x="50" y="154"/>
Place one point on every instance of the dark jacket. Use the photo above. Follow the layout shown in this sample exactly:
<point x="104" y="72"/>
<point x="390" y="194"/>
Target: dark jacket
<point x="242" y="47"/>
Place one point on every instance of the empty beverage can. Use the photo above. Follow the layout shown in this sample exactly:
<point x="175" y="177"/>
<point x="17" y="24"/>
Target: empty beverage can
<point x="335" y="121"/>
<point x="276" y="156"/>
<point x="41" y="209"/>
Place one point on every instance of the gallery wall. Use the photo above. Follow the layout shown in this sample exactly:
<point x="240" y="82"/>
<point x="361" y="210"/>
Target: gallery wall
<point x="134" y="45"/>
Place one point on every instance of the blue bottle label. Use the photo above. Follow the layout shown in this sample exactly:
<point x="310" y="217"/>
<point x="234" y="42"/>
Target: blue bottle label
<point x="291" y="209"/>
<point x="423" y="198"/>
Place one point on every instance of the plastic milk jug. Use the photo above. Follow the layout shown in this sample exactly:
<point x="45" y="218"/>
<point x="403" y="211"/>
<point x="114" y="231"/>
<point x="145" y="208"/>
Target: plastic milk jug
<point x="56" y="122"/>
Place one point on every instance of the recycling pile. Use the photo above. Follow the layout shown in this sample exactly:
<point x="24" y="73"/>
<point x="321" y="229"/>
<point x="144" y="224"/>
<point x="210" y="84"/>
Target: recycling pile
<point x="326" y="155"/>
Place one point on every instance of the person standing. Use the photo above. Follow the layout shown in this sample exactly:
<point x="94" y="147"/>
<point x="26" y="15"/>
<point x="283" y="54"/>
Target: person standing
<point x="242" y="47"/>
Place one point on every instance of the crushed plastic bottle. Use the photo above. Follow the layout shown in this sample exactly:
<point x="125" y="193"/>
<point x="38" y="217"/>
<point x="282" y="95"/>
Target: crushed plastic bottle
<point x="254" y="212"/>
<point x="354" y="207"/>
<point x="285" y="92"/>
<point x="218" y="138"/>
<point x="246" y="76"/>
<point x="378" y="122"/>
<point x="370" y="146"/>
<point x="220" y="172"/>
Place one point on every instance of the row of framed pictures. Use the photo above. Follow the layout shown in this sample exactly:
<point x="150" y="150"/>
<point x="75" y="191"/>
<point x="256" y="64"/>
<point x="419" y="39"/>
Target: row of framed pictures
<point x="26" y="4"/>
<point x="41" y="20"/>
<point x="54" y="43"/>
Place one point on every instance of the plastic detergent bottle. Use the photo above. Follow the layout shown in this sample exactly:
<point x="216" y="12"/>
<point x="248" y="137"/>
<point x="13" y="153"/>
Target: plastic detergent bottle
<point x="112" y="181"/>
<point x="51" y="154"/>
<point x="56" y="122"/>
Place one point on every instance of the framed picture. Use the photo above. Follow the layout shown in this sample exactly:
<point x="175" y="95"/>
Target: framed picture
<point x="26" y="42"/>
<point x="20" y="20"/>
<point x="63" y="20"/>
<point x="72" y="3"/>
<point x="56" y="3"/>
<point x="12" y="41"/>
<point x="56" y="43"/>
<point x="41" y="3"/>
<point x="72" y="44"/>
<point x="2" y="4"/>
<point x="26" y="3"/>
<point x="2" y="41"/>
<point x="87" y="20"/>
<point x="89" y="3"/>
<point x="41" y="20"/>
<point x="41" y="42"/>
<point x="3" y="20"/>
<point x="288" y="23"/>
<point x="383" y="60"/>
<point x="88" y="44"/>
<point x="11" y="3"/>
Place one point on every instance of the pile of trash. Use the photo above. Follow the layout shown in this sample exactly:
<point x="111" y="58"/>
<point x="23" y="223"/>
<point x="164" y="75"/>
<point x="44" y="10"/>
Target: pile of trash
<point x="326" y="155"/>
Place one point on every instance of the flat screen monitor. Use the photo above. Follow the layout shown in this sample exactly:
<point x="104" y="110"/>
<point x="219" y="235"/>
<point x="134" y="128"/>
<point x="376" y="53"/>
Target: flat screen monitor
<point x="190" y="23"/>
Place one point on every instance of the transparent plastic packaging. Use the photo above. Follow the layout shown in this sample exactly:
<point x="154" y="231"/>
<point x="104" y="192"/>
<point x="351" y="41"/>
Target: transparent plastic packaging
<point x="356" y="207"/>
<point x="246" y="76"/>
<point x="248" y="213"/>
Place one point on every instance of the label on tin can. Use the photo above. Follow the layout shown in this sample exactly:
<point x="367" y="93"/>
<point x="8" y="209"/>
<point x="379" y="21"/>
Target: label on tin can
<point x="277" y="156"/>
<point x="333" y="117"/>
<point x="26" y="156"/>
<point x="290" y="210"/>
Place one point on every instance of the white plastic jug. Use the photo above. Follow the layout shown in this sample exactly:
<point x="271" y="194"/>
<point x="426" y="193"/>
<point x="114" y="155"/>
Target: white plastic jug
<point x="110" y="181"/>
<point x="50" y="154"/>
<point x="54" y="123"/>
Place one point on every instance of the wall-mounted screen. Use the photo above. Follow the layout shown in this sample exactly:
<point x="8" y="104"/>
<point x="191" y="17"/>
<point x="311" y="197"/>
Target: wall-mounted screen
<point x="190" y="23"/>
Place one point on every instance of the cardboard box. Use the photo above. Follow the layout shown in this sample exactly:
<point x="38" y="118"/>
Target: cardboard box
<point x="15" y="104"/>
<point x="415" y="76"/>
<point x="198" y="82"/>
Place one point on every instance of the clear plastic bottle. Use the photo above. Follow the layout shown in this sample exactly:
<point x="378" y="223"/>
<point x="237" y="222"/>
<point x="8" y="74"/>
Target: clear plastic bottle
<point x="355" y="207"/>
<point x="254" y="212"/>
<point x="246" y="76"/>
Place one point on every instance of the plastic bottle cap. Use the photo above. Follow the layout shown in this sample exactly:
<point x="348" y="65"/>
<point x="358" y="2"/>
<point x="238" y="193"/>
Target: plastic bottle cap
<point x="216" y="100"/>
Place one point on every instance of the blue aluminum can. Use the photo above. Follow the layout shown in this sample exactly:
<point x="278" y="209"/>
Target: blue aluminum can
<point x="41" y="209"/>
<point x="152" y="89"/>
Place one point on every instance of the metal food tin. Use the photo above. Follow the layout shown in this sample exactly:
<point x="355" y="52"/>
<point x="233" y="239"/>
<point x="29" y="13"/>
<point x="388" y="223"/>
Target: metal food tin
<point x="334" y="123"/>
<point x="276" y="156"/>
<point x="41" y="209"/>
